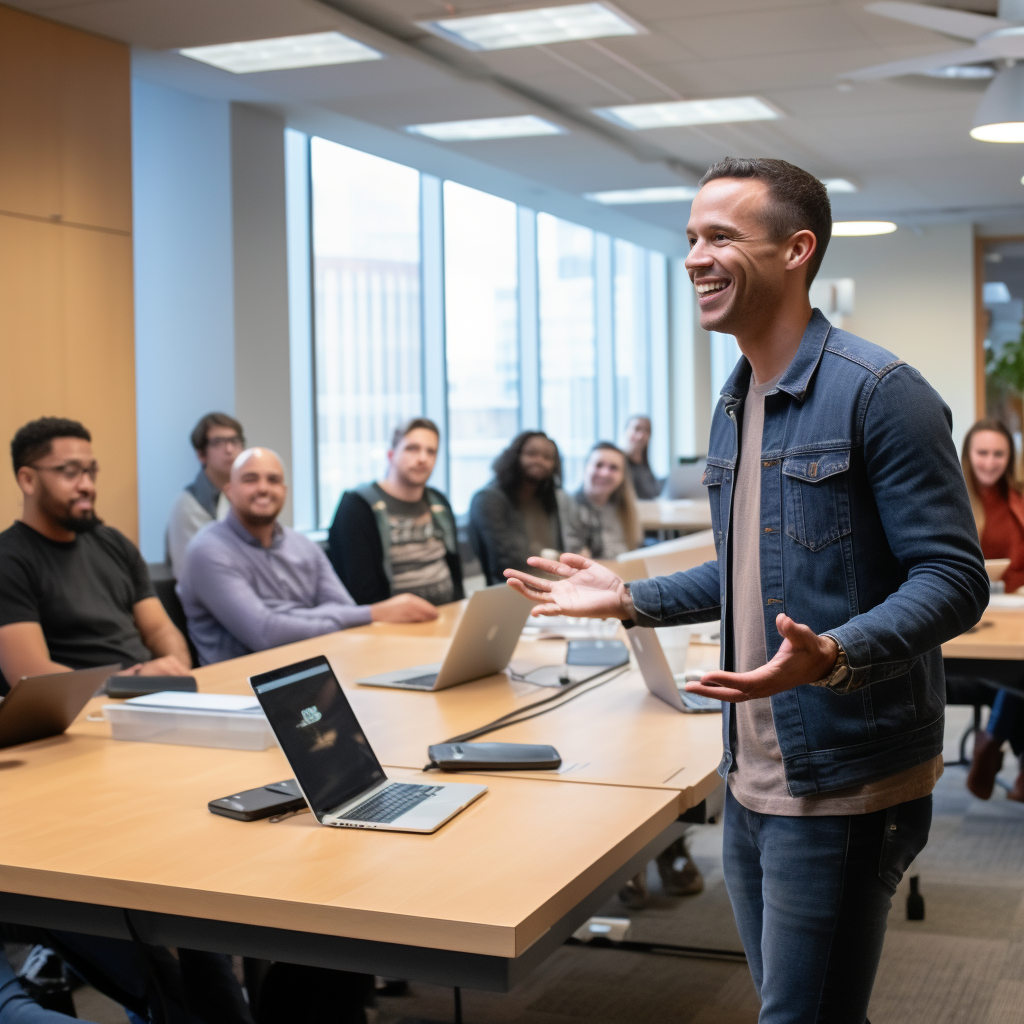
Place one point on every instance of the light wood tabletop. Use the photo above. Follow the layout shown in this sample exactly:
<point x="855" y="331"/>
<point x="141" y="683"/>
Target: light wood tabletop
<point x="86" y="819"/>
<point x="999" y="636"/>
<point x="615" y="733"/>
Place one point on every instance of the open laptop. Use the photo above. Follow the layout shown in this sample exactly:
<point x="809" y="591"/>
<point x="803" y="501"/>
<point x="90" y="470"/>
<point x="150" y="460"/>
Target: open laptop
<point x="658" y="677"/>
<point x="333" y="763"/>
<point x="42" y="706"/>
<point x="482" y="644"/>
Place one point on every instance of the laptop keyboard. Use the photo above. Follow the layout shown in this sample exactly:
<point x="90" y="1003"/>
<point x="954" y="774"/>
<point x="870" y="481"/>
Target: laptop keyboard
<point x="418" y="682"/>
<point x="391" y="803"/>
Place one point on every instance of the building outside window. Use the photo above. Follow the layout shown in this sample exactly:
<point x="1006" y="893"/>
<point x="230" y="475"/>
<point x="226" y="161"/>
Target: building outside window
<point x="367" y="310"/>
<point x="481" y="335"/>
<point x="568" y="356"/>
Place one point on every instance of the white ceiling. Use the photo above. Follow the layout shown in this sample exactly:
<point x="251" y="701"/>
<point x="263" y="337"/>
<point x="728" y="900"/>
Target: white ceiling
<point x="905" y="141"/>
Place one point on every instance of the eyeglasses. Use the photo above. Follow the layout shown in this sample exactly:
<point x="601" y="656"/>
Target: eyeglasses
<point x="234" y="441"/>
<point x="71" y="471"/>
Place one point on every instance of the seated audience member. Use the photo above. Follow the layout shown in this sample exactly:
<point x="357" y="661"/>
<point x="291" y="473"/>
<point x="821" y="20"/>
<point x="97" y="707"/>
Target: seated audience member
<point x="398" y="536"/>
<point x="74" y="593"/>
<point x="249" y="583"/>
<point x="988" y="461"/>
<point x="635" y="440"/>
<point x="604" y="522"/>
<point x="521" y="511"/>
<point x="217" y="439"/>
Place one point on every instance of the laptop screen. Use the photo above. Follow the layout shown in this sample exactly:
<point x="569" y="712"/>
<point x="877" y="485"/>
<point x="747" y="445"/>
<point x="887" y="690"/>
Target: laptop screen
<point x="318" y="732"/>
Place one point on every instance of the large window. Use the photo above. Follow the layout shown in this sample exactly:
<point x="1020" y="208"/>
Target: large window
<point x="366" y="262"/>
<point x="568" y="351"/>
<point x="481" y="335"/>
<point x="435" y="299"/>
<point x="632" y="376"/>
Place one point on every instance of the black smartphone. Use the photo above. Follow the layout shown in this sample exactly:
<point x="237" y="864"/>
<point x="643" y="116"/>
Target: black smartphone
<point x="264" y="802"/>
<point x="124" y="687"/>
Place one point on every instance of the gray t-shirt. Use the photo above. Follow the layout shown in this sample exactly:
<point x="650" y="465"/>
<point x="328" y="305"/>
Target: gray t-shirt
<point x="759" y="781"/>
<point x="418" y="557"/>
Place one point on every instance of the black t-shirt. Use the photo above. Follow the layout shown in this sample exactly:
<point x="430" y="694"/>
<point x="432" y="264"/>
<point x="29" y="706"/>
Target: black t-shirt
<point x="81" y="592"/>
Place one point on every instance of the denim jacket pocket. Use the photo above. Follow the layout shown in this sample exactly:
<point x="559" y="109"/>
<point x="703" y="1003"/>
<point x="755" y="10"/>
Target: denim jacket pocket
<point x="816" y="497"/>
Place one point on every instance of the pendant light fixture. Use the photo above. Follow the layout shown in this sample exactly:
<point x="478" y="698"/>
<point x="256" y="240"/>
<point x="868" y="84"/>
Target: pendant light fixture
<point x="1000" y="116"/>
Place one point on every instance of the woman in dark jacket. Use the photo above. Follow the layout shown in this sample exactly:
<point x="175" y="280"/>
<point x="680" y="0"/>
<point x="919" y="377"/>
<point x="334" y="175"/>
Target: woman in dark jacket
<point x="521" y="511"/>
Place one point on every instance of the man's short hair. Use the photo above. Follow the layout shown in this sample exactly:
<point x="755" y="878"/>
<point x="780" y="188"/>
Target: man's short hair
<point x="416" y="423"/>
<point x="35" y="440"/>
<point x="797" y="200"/>
<point x="214" y="419"/>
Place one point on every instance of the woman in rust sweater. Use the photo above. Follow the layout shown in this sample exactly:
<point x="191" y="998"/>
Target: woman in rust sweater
<point x="988" y="460"/>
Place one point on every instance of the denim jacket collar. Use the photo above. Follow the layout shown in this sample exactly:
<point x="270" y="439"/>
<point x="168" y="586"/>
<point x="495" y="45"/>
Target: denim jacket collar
<point x="797" y="377"/>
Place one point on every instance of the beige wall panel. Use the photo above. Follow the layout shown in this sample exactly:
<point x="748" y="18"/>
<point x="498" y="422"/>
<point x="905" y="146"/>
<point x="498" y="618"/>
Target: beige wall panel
<point x="99" y="362"/>
<point x="96" y="154"/>
<point x="31" y="332"/>
<point x="66" y="311"/>
<point x="30" y="90"/>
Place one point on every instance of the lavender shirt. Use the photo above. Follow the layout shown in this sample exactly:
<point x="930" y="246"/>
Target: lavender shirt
<point x="240" y="597"/>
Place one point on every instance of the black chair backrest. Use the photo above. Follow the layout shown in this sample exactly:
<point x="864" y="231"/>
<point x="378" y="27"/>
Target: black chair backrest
<point x="172" y="605"/>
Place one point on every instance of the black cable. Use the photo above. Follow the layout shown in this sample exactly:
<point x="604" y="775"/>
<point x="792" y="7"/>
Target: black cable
<point x="560" y="692"/>
<point x="506" y="720"/>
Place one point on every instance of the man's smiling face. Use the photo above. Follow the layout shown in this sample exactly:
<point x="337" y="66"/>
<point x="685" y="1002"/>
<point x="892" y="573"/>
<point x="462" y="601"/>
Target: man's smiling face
<point x="737" y="268"/>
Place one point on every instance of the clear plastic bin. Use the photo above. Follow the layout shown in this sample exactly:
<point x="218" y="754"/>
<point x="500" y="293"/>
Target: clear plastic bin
<point x="190" y="727"/>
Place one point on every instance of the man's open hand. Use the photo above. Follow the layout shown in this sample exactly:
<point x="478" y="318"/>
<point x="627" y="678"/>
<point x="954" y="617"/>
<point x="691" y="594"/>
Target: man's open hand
<point x="585" y="589"/>
<point x="804" y="657"/>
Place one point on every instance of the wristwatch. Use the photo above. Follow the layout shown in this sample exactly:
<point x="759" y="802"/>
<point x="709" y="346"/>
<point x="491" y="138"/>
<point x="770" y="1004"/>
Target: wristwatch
<point x="841" y="671"/>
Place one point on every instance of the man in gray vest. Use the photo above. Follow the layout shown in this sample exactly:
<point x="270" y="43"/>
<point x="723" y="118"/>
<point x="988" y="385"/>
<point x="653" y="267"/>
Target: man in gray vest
<point x="397" y="536"/>
<point x="217" y="439"/>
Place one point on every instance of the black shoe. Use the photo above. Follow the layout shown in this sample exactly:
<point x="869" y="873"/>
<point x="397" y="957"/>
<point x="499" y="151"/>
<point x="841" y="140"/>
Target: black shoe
<point x="42" y="977"/>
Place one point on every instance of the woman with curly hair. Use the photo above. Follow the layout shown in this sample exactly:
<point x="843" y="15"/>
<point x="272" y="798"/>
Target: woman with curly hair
<point x="522" y="510"/>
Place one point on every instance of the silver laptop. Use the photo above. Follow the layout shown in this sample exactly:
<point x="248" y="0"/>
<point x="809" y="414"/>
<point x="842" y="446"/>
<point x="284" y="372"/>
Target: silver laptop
<point x="658" y="676"/>
<point x="482" y="644"/>
<point x="333" y="763"/>
<point x="42" y="706"/>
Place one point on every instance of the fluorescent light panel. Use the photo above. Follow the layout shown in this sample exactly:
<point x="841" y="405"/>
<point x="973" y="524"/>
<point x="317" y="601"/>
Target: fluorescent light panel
<point x="860" y="228"/>
<point x="837" y="185"/>
<point x="537" y="27"/>
<point x="316" y="50"/>
<point x="487" y="128"/>
<point x="680" y="113"/>
<point x="659" y="194"/>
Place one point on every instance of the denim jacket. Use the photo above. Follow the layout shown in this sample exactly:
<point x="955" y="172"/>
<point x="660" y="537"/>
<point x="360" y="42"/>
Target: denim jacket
<point x="866" y="535"/>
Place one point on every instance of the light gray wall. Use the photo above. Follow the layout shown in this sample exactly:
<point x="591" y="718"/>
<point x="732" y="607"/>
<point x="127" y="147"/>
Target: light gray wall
<point x="262" y="360"/>
<point x="184" y="313"/>
<point x="914" y="295"/>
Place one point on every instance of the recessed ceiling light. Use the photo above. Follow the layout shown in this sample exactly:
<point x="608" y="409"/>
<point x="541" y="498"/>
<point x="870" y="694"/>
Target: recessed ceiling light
<point x="690" y="112"/>
<point x="316" y="50"/>
<point x="859" y="228"/>
<point x="537" y="27"/>
<point x="839" y="185"/>
<point x="660" y="194"/>
<point x="487" y="128"/>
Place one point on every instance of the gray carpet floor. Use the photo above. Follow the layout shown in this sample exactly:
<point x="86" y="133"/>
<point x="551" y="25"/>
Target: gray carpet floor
<point x="964" y="964"/>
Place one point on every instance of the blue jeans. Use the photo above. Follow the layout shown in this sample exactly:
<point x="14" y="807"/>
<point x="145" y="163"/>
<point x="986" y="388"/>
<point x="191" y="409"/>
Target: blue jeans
<point x="18" y="1008"/>
<point x="811" y="897"/>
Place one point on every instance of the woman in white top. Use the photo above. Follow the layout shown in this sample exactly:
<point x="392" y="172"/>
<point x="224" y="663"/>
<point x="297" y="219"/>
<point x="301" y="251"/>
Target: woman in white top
<point x="604" y="521"/>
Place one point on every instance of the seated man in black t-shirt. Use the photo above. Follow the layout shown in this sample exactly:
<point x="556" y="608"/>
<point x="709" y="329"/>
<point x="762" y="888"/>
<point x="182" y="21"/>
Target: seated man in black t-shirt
<point x="73" y="592"/>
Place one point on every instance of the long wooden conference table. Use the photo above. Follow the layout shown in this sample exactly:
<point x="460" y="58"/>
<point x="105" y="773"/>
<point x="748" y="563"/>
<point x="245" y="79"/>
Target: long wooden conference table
<point x="114" y="838"/>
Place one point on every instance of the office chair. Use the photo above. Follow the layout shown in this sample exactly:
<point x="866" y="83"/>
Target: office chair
<point x="172" y="605"/>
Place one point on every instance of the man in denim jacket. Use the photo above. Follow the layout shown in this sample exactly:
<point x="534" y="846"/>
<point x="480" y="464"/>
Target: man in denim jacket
<point x="847" y="554"/>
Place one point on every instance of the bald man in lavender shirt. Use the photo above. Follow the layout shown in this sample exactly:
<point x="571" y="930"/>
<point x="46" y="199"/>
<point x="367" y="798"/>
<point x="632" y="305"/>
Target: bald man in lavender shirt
<point x="248" y="583"/>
